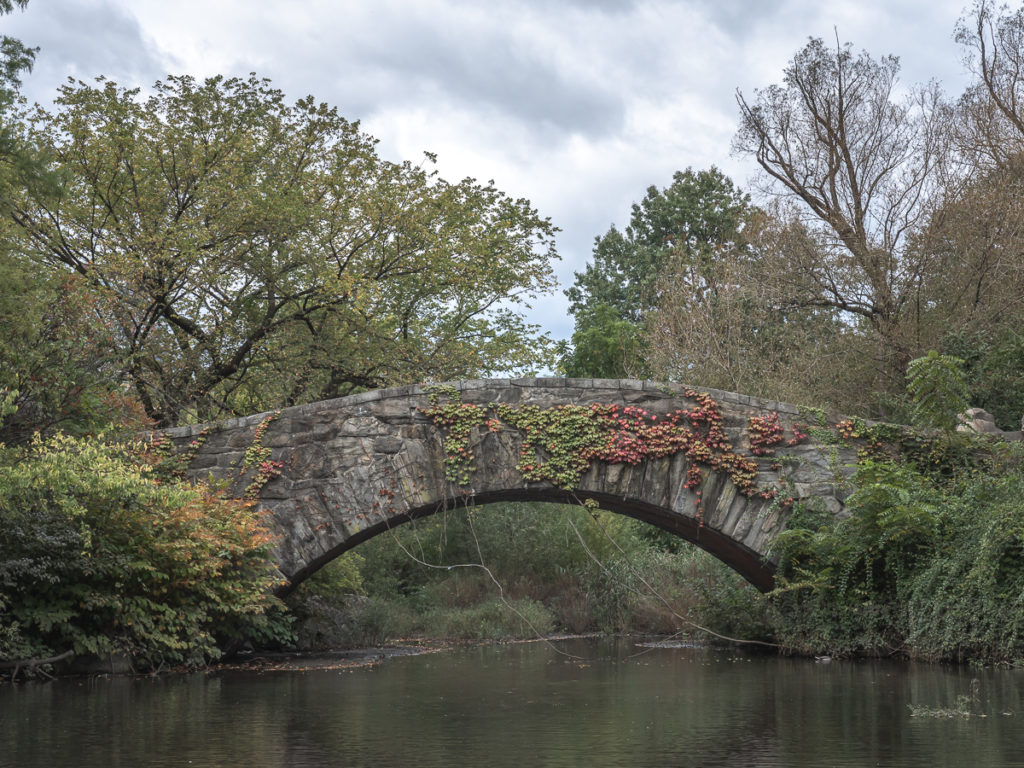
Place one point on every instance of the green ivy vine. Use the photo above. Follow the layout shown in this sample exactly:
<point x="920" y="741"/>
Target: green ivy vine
<point x="559" y="444"/>
<point x="257" y="456"/>
<point x="168" y="464"/>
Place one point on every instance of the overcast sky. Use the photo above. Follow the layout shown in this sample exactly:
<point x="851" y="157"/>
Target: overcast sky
<point x="577" y="105"/>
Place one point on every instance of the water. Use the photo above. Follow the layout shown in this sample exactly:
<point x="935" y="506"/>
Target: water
<point x="525" y="705"/>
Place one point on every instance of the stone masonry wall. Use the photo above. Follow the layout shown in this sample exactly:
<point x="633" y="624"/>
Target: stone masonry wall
<point x="352" y="468"/>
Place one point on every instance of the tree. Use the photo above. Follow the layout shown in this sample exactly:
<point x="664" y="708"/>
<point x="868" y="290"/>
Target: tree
<point x="744" y="336"/>
<point x="975" y="310"/>
<point x="15" y="58"/>
<point x="991" y="110"/>
<point x="974" y="243"/>
<point x="51" y="350"/>
<point x="975" y="239"/>
<point x="55" y="358"/>
<point x="860" y="167"/>
<point x="697" y="220"/>
<point x="605" y="346"/>
<point x="248" y="254"/>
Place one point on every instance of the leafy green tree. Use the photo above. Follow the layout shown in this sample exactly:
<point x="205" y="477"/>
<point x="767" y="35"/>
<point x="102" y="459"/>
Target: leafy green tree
<point x="19" y="163"/>
<point x="683" y="295"/>
<point x="247" y="253"/>
<point x="15" y="58"/>
<point x="604" y="345"/>
<point x="52" y="348"/>
<point x="55" y="356"/>
<point x="688" y="227"/>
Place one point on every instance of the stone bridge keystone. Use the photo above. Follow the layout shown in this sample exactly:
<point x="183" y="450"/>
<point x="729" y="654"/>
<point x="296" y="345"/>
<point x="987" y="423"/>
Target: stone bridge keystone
<point x="716" y="468"/>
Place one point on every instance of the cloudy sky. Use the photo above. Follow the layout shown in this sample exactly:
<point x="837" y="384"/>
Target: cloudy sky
<point x="577" y="105"/>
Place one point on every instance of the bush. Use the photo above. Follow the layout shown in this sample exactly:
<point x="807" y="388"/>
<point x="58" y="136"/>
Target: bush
<point x="929" y="565"/>
<point x="349" y="621"/>
<point x="968" y="603"/>
<point x="99" y="557"/>
<point x="535" y="552"/>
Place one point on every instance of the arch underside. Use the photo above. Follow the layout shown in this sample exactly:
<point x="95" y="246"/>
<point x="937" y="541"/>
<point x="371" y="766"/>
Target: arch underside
<point x="748" y="563"/>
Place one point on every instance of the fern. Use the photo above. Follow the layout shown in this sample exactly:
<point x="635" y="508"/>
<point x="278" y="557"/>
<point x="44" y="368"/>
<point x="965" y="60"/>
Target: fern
<point x="938" y="387"/>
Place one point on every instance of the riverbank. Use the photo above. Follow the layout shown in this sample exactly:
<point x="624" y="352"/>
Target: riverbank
<point x="299" y="661"/>
<point x="287" y="661"/>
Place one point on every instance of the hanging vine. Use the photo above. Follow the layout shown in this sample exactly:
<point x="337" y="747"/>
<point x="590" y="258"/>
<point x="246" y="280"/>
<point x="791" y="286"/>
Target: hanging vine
<point x="257" y="456"/>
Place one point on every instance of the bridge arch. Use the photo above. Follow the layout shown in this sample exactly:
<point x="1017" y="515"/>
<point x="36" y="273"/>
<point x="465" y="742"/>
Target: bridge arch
<point x="751" y="565"/>
<point x="336" y="473"/>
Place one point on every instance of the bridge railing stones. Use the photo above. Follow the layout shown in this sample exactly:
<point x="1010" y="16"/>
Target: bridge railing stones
<point x="354" y="467"/>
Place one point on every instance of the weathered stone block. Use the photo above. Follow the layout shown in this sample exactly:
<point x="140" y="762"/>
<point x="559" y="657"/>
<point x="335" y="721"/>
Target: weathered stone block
<point x="389" y="444"/>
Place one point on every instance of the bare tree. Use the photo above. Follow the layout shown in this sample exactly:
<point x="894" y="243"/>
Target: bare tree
<point x="991" y="125"/>
<point x="859" y="160"/>
<point x="975" y="243"/>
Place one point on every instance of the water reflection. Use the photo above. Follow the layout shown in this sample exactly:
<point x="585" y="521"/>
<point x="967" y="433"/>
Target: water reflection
<point x="524" y="705"/>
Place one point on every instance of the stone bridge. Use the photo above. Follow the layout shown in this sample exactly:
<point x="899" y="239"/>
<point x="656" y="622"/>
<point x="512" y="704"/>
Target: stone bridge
<point x="716" y="468"/>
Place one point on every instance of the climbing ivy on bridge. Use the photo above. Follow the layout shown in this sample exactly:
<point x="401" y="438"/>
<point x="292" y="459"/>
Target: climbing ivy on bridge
<point x="559" y="444"/>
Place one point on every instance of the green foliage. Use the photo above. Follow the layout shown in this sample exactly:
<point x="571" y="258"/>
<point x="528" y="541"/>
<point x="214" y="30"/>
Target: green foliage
<point x="994" y="368"/>
<point x="492" y="620"/>
<point x="54" y="354"/>
<point x="96" y="557"/>
<point x="255" y="254"/>
<point x="458" y="420"/>
<point x="331" y="610"/>
<point x="341" y="576"/>
<point x="700" y="214"/>
<point x="893" y="523"/>
<point x="968" y="604"/>
<point x="559" y="444"/>
<point x="15" y="58"/>
<point x="604" y="346"/>
<point x="8" y="402"/>
<point x="692" y="223"/>
<point x="564" y="568"/>
<point x="52" y="347"/>
<point x="938" y="387"/>
<point x="928" y="563"/>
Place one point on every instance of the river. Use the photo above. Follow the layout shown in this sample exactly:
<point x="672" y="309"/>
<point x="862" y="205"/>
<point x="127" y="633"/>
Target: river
<point x="580" y="703"/>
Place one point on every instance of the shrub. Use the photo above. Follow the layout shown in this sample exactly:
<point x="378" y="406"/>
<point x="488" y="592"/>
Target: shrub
<point x="929" y="564"/>
<point x="98" y="557"/>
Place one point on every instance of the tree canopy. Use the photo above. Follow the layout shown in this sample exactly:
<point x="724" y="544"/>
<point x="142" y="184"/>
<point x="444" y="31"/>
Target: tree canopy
<point x="687" y="227"/>
<point x="247" y="253"/>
